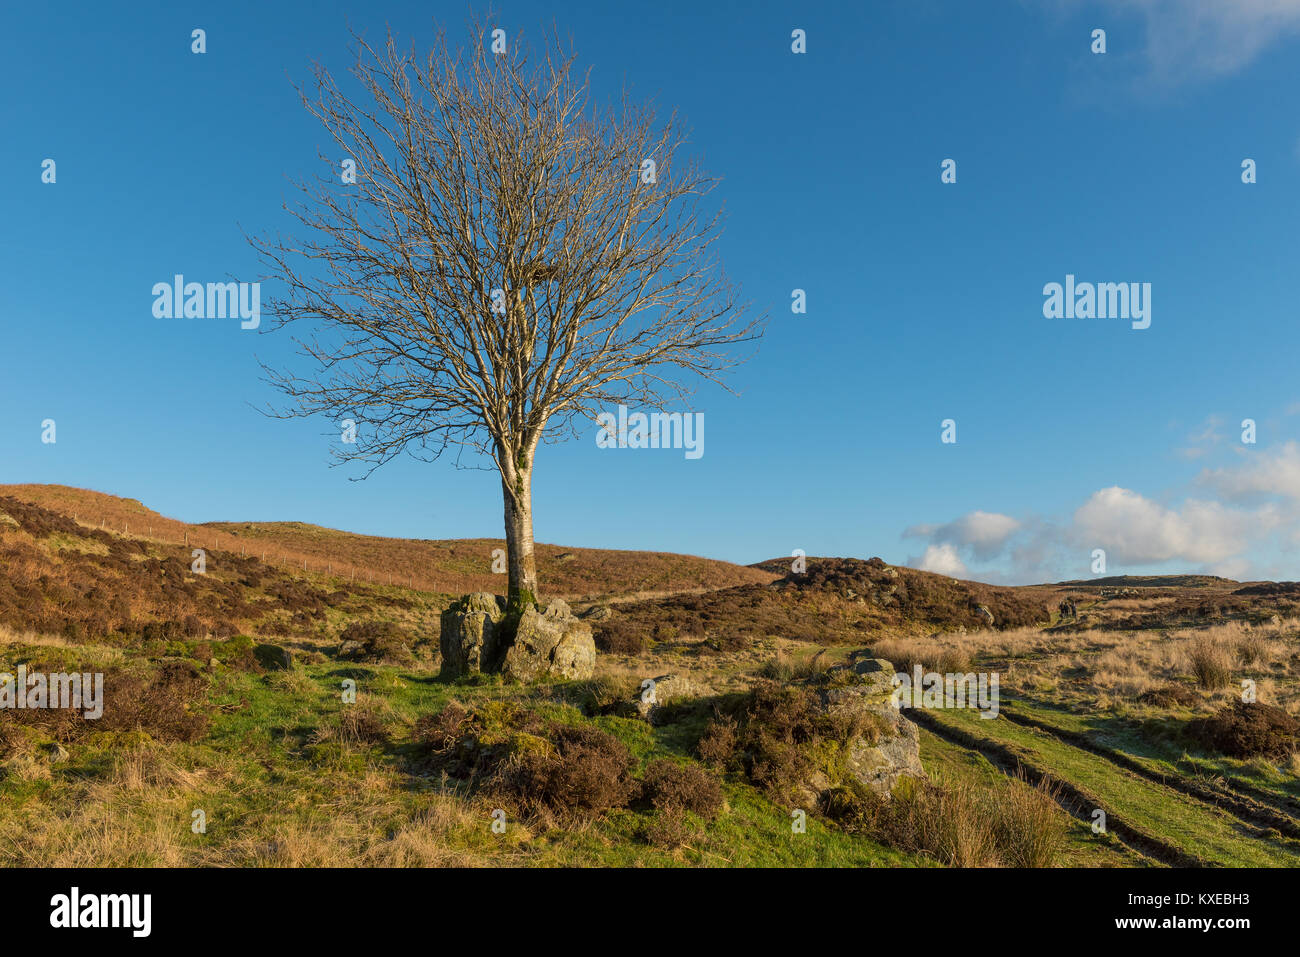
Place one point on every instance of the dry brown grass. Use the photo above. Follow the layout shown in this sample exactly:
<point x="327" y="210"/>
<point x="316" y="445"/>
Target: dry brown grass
<point x="1211" y="662"/>
<point x="1105" y="669"/>
<point x="449" y="567"/>
<point x="944" y="657"/>
<point x="139" y="813"/>
<point x="1030" y="825"/>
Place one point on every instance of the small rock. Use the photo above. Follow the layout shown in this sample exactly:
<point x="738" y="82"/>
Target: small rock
<point x="597" y="613"/>
<point x="664" y="689"/>
<point x="58" y="753"/>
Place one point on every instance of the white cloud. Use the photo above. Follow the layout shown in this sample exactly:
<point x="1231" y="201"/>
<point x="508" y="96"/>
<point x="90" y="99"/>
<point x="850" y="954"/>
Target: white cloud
<point x="985" y="533"/>
<point x="1202" y="39"/>
<point x="1136" y="530"/>
<point x="940" y="559"/>
<point x="1240" y="569"/>
<point x="1183" y="41"/>
<point x="1204" y="439"/>
<point x="1270" y="473"/>
<point x="1244" y="514"/>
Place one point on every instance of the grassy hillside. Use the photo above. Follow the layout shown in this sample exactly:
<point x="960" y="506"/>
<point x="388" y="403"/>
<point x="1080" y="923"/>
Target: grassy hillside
<point x="226" y="695"/>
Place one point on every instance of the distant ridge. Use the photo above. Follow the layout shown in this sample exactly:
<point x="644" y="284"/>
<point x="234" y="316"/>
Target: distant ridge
<point x="453" y="566"/>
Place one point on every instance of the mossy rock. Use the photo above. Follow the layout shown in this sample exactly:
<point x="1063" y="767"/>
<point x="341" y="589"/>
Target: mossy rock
<point x="273" y="657"/>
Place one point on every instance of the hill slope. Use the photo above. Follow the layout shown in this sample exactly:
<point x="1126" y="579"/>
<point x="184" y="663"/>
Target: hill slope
<point x="837" y="600"/>
<point x="452" y="567"/>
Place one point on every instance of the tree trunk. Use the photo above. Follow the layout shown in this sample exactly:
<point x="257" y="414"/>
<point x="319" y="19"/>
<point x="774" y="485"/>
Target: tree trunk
<point x="520" y="565"/>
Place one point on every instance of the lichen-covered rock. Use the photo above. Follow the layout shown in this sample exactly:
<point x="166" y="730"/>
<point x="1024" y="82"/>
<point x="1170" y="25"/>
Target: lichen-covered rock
<point x="554" y="643"/>
<point x="470" y="634"/>
<point x="889" y="747"/>
<point x="661" y="690"/>
<point x="876" y="674"/>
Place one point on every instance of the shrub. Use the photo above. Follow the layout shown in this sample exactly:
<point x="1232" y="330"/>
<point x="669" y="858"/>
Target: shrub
<point x="163" y="702"/>
<point x="905" y="655"/>
<point x="717" y="745"/>
<point x="237" y="653"/>
<point x="670" y="830"/>
<point x="441" y="731"/>
<point x="619" y="637"/>
<point x="361" y="724"/>
<point x="950" y="824"/>
<point x="669" y="786"/>
<point x="1169" y="696"/>
<point x="1244" y="730"/>
<point x="473" y="745"/>
<point x="1252" y="648"/>
<point x="779" y="734"/>
<point x="589" y="772"/>
<point x="1031" y="828"/>
<point x="606" y="695"/>
<point x="376" y="642"/>
<point x="785" y="668"/>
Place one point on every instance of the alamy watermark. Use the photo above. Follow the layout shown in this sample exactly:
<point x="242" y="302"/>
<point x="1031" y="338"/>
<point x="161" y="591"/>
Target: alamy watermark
<point x="930" y="689"/>
<point x="179" y="299"/>
<point x="133" y="912"/>
<point x="74" y="692"/>
<point x="657" y="430"/>
<point x="1103" y="300"/>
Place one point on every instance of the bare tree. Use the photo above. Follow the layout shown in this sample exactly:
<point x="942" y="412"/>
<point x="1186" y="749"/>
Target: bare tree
<point x="510" y="258"/>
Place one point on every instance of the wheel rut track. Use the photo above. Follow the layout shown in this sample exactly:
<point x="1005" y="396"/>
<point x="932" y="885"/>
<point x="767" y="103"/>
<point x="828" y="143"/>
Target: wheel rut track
<point x="1244" y="805"/>
<point x="1074" y="799"/>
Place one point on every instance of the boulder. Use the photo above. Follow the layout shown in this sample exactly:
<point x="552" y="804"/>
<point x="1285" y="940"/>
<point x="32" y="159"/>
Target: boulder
<point x="889" y="747"/>
<point x="875" y="674"/>
<point x="470" y="634"/>
<point x="985" y="614"/>
<point x="664" y="689"/>
<point x="273" y="657"/>
<point x="554" y="642"/>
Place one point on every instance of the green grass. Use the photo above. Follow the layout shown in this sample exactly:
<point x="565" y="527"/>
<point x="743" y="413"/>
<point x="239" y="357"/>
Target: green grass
<point x="945" y="760"/>
<point x="1183" y="822"/>
<point x="271" y="797"/>
<point x="1155" y="740"/>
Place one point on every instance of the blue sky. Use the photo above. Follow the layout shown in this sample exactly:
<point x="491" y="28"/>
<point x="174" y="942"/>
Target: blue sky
<point x="925" y="299"/>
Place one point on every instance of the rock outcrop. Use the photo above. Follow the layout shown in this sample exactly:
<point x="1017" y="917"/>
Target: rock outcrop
<point x="889" y="748"/>
<point x="550" y="642"/>
<point x="553" y="642"/>
<point x="469" y="633"/>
